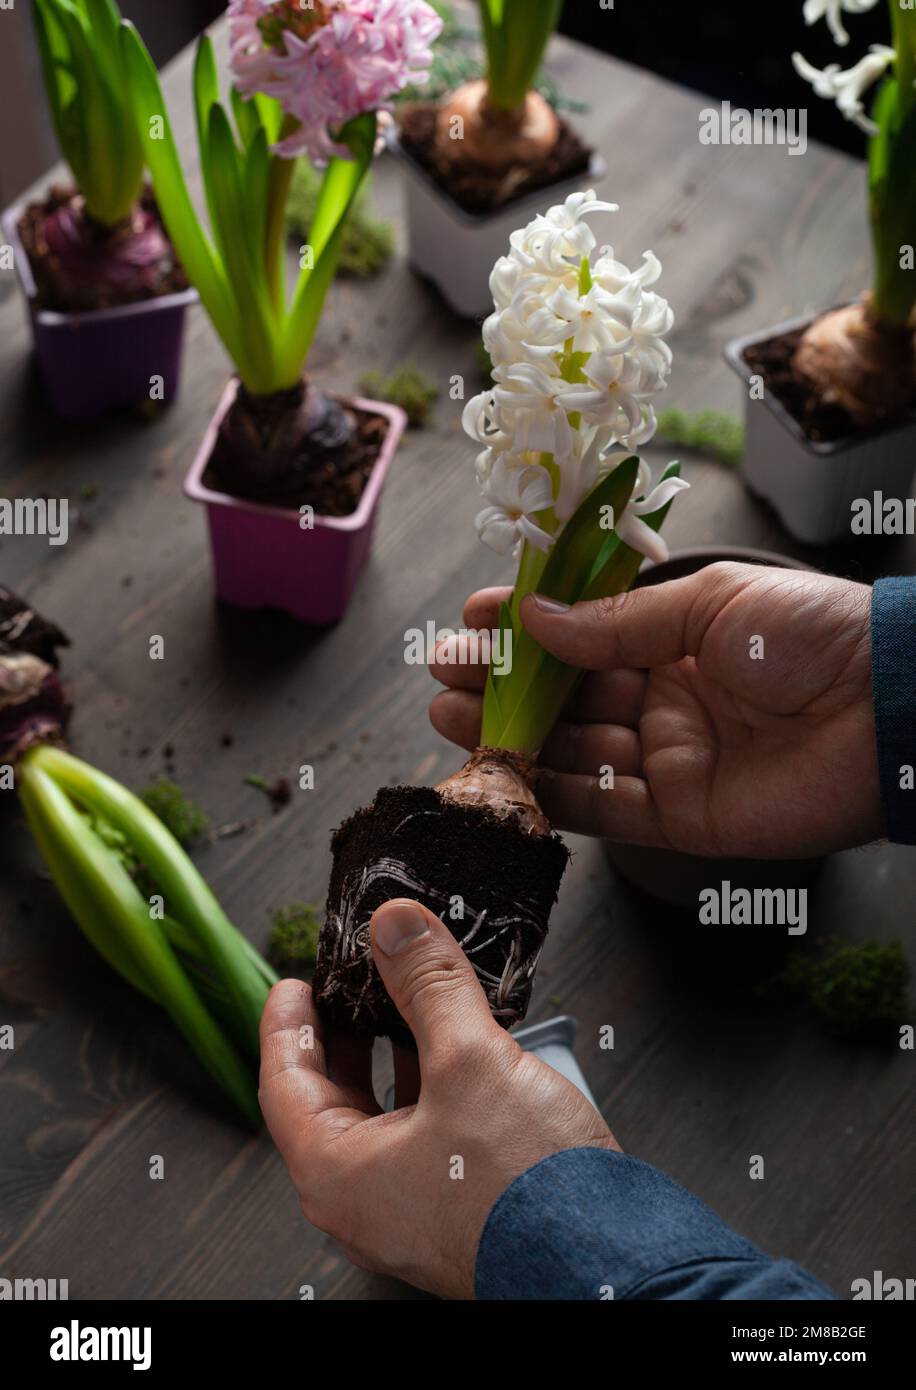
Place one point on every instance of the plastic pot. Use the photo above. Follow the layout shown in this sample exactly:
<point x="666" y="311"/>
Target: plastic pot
<point x="679" y="878"/>
<point x="813" y="485"/>
<point x="456" y="249"/>
<point x="94" y="362"/>
<point x="262" y="555"/>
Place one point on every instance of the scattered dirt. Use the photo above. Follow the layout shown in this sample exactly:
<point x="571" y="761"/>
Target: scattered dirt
<point x="478" y="188"/>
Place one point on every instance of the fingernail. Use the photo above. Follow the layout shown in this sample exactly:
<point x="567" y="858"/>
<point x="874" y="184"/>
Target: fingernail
<point x="550" y="605"/>
<point x="397" y="924"/>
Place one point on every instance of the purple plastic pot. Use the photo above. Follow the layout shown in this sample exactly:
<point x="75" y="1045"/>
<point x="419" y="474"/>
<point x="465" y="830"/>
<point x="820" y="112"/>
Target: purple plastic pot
<point x="97" y="361"/>
<point x="264" y="558"/>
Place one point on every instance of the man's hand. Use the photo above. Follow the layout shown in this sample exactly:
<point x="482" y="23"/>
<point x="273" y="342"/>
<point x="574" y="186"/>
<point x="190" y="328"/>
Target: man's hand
<point x="407" y="1194"/>
<point x="734" y="706"/>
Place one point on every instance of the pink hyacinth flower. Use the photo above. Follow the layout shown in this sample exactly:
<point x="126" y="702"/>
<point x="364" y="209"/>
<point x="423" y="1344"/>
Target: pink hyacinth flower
<point x="328" y="61"/>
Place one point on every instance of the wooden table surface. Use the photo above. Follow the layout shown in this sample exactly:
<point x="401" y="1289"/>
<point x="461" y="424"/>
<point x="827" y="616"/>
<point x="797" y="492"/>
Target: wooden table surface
<point x="704" y="1074"/>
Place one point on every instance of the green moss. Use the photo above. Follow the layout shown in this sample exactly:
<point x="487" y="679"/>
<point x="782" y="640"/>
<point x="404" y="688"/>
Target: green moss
<point x="709" y="432"/>
<point x="368" y="241"/>
<point x="854" y="989"/>
<point x="292" y="947"/>
<point x="407" y="387"/>
<point x="176" y="810"/>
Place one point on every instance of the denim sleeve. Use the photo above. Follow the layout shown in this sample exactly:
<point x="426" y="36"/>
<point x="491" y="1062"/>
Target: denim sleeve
<point x="893" y="627"/>
<point x="594" y="1224"/>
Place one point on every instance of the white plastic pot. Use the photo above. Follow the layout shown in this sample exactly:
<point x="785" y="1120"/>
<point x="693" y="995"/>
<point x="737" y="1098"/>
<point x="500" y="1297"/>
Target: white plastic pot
<point x="457" y="250"/>
<point x="812" y="486"/>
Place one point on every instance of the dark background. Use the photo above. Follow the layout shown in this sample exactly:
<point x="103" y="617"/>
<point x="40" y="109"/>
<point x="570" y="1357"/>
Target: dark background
<point x="739" y="50"/>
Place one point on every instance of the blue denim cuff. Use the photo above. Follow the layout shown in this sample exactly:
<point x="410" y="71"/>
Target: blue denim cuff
<point x="595" y="1224"/>
<point x="894" y="677"/>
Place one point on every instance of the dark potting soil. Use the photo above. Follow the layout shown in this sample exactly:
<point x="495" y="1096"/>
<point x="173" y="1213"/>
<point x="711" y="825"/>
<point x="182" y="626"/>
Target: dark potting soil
<point x="475" y="187"/>
<point x="105" y="267"/>
<point x="821" y="423"/>
<point x="276" y="454"/>
<point x="413" y="843"/>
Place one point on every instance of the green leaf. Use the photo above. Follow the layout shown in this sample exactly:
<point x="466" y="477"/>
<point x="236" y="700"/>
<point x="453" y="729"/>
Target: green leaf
<point x="206" y="95"/>
<point x="246" y="116"/>
<point x="59" y="82"/>
<point x="892" y="188"/>
<point x="585" y="534"/>
<point x="89" y="103"/>
<point x="516" y="34"/>
<point x="522" y="707"/>
<point x="256" y="184"/>
<point x="236" y="230"/>
<point x="271" y="114"/>
<point x="106" y="904"/>
<point x="188" y="898"/>
<point x="341" y="184"/>
<point x="203" y="266"/>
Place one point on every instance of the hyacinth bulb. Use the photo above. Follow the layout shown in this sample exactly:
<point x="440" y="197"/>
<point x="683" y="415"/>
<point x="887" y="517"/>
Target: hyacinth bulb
<point x="87" y="265"/>
<point x="865" y="365"/>
<point x="471" y="130"/>
<point x="33" y="706"/>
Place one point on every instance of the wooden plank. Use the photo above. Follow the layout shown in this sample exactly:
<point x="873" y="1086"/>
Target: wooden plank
<point x="702" y="1075"/>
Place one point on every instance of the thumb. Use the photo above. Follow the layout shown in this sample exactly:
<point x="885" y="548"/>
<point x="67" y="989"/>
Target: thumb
<point x="654" y="626"/>
<point x="428" y="976"/>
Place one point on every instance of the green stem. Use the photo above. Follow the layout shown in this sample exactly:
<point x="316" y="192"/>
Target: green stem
<point x="892" y="178"/>
<point x="281" y="176"/>
<point x="903" y="25"/>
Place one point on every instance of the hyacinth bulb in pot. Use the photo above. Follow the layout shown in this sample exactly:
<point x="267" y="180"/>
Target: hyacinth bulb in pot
<point x="579" y="353"/>
<point x="105" y="290"/>
<point x="291" y="477"/>
<point x="477" y="163"/>
<point x="831" y="410"/>
<point x="129" y="884"/>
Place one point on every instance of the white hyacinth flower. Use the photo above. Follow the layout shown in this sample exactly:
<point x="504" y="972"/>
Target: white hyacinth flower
<point x="847" y="88"/>
<point x="515" y="494"/>
<point x="609" y="395"/>
<point x="578" y="351"/>
<point x="631" y="528"/>
<point x="832" y="10"/>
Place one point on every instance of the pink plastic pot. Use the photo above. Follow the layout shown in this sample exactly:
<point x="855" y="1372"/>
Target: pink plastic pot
<point x="102" y="360"/>
<point x="264" y="558"/>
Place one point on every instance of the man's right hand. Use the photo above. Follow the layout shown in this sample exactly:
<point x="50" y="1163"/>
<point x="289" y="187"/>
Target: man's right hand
<point x="734" y="707"/>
